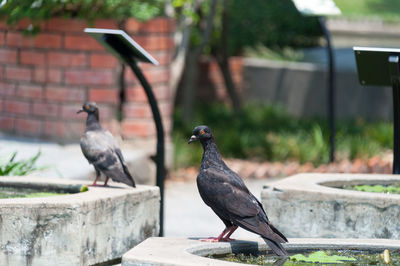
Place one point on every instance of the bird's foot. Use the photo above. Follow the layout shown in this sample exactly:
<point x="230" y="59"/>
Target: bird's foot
<point x="105" y="185"/>
<point x="210" y="239"/>
<point x="94" y="185"/>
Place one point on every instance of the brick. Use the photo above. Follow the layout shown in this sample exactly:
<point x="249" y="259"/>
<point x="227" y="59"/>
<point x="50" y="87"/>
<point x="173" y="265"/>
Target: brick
<point x="132" y="25"/>
<point x="104" y="95"/>
<point x="16" y="107"/>
<point x="30" y="91"/>
<point x="89" y="77"/>
<point x="69" y="111"/>
<point x="32" y="58"/>
<point x="18" y="73"/>
<point x="137" y="110"/>
<point x="45" y="109"/>
<point x="137" y="128"/>
<point x="42" y="40"/>
<point x="135" y="94"/>
<point x="1" y="104"/>
<point x="29" y="127"/>
<point x="103" y="61"/>
<point x="8" y="56"/>
<point x="83" y="43"/>
<point x="54" y="129"/>
<point x="6" y="123"/>
<point x="155" y="25"/>
<point x="155" y="42"/>
<point x="54" y="75"/>
<point x="67" y="59"/>
<point x="7" y="89"/>
<point x="66" y="25"/>
<point x="2" y="38"/>
<point x="40" y="74"/>
<point x="153" y="75"/>
<point x="64" y="94"/>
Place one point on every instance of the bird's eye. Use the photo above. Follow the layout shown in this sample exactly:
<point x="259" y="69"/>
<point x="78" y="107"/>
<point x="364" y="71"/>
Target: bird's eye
<point x="202" y="132"/>
<point x="86" y="106"/>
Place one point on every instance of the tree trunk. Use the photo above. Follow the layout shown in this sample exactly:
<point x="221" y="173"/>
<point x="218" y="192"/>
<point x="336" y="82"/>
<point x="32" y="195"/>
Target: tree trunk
<point x="192" y="59"/>
<point x="222" y="57"/>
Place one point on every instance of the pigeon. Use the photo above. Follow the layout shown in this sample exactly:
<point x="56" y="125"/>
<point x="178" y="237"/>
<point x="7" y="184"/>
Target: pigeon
<point x="101" y="150"/>
<point x="225" y="192"/>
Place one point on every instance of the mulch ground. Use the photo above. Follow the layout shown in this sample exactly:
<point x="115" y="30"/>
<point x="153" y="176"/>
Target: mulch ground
<point x="260" y="170"/>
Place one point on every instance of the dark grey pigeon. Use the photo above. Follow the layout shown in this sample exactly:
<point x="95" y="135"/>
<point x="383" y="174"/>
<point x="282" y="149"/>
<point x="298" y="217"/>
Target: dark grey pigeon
<point x="227" y="195"/>
<point x="101" y="149"/>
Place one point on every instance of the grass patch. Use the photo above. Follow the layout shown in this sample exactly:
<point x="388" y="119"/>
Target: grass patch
<point x="269" y="133"/>
<point x="12" y="167"/>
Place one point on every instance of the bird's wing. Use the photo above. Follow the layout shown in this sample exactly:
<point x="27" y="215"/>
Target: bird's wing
<point x="217" y="189"/>
<point x="235" y="203"/>
<point x="102" y="152"/>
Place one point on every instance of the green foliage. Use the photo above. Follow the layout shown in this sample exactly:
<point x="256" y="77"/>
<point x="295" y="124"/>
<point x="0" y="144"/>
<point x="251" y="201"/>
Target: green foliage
<point x="395" y="189"/>
<point x="269" y="23"/>
<point x="269" y="133"/>
<point x="11" y="167"/>
<point x="321" y="257"/>
<point x="387" y="10"/>
<point x="38" y="11"/>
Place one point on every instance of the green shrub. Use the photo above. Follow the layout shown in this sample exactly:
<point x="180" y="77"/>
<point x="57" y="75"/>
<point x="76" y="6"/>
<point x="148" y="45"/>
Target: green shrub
<point x="269" y="133"/>
<point x="11" y="167"/>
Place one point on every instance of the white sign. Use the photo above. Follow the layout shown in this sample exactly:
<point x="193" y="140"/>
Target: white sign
<point x="317" y="7"/>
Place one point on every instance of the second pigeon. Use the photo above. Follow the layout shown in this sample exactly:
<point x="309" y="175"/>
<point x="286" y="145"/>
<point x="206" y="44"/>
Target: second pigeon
<point x="101" y="149"/>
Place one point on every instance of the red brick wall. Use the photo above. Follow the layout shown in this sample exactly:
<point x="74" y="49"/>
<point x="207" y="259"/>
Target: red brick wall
<point x="44" y="80"/>
<point x="211" y="85"/>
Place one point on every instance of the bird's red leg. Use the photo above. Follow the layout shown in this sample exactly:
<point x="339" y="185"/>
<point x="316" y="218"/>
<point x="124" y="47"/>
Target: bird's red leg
<point x="105" y="182"/>
<point x="97" y="179"/>
<point x="216" y="239"/>
<point x="231" y="230"/>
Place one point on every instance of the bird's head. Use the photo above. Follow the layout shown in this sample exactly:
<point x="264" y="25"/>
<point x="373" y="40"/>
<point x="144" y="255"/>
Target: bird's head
<point x="201" y="133"/>
<point x="89" y="107"/>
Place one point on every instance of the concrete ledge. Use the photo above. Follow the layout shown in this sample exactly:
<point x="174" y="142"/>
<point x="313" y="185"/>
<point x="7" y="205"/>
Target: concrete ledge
<point x="76" y="229"/>
<point x="312" y="205"/>
<point x="188" y="252"/>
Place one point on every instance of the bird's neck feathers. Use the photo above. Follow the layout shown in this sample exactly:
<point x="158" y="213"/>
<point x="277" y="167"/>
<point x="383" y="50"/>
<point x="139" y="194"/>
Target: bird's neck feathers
<point x="211" y="154"/>
<point x="92" y="122"/>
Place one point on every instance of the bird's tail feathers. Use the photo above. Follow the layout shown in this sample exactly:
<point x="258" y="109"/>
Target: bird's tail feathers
<point x="129" y="175"/>
<point x="276" y="247"/>
<point x="276" y="231"/>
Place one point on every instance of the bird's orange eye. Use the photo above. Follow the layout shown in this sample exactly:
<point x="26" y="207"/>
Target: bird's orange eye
<point x="202" y="132"/>
<point x="86" y="106"/>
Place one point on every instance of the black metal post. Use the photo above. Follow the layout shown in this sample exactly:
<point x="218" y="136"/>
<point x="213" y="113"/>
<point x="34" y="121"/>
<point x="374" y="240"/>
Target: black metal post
<point x="395" y="76"/>
<point x="331" y="88"/>
<point x="160" y="136"/>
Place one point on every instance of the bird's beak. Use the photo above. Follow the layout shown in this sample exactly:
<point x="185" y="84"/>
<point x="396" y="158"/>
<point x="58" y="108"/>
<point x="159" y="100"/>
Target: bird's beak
<point x="192" y="138"/>
<point x="80" y="111"/>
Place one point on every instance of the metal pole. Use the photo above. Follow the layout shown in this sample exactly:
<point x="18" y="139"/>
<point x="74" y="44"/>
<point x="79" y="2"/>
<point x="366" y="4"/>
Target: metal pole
<point x="160" y="136"/>
<point x="395" y="75"/>
<point x="331" y="88"/>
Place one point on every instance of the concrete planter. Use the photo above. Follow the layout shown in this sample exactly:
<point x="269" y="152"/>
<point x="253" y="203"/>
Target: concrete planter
<point x="312" y="205"/>
<point x="76" y="229"/>
<point x="190" y="252"/>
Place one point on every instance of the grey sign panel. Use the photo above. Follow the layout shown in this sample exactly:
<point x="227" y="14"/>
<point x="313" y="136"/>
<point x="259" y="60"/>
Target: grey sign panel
<point x="121" y="45"/>
<point x="373" y="65"/>
<point x="317" y="7"/>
